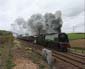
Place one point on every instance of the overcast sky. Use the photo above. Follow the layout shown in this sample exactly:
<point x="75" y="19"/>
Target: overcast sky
<point x="73" y="12"/>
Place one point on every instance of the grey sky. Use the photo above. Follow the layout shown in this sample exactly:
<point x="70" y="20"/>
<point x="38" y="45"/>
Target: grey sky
<point x="72" y="10"/>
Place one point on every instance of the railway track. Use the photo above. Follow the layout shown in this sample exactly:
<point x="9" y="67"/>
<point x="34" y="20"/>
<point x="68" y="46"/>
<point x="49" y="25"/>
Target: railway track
<point x="71" y="58"/>
<point x="68" y="55"/>
<point x="77" y="55"/>
<point x="77" y="62"/>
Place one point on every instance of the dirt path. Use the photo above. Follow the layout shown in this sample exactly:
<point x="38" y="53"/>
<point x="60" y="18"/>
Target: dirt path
<point x="21" y="61"/>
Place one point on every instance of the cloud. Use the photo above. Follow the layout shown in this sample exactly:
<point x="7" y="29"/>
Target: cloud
<point x="11" y="9"/>
<point x="76" y="22"/>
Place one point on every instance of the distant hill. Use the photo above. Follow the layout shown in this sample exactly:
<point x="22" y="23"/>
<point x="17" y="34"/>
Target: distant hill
<point x="4" y="33"/>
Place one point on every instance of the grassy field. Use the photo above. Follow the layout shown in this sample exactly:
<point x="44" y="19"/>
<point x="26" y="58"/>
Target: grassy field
<point x="77" y="41"/>
<point x="74" y="36"/>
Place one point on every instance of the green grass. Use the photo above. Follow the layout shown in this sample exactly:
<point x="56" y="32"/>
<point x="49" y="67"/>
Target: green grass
<point x="74" y="36"/>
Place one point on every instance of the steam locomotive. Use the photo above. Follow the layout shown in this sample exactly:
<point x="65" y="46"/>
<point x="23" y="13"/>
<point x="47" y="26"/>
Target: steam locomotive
<point x="60" y="42"/>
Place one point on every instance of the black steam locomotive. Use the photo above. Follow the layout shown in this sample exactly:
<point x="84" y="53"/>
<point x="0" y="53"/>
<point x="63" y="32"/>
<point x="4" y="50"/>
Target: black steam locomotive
<point x="59" y="43"/>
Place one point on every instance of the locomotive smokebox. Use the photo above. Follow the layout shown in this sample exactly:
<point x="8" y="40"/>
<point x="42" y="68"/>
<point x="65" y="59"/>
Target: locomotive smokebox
<point x="63" y="42"/>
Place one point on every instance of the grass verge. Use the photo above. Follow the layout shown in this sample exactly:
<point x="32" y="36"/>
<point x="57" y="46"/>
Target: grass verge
<point x="36" y="58"/>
